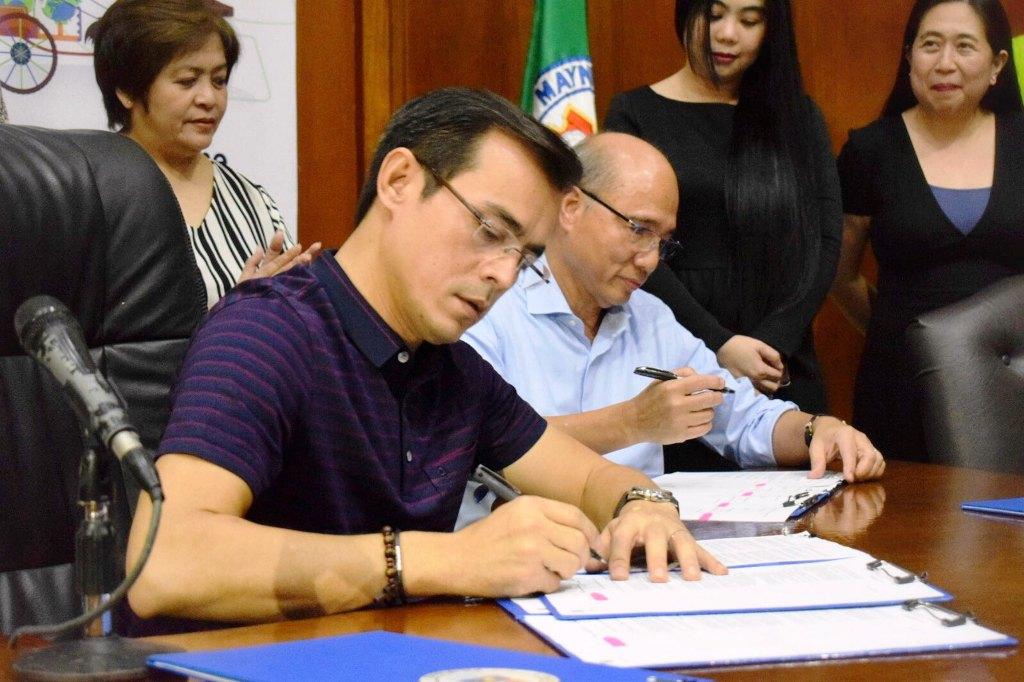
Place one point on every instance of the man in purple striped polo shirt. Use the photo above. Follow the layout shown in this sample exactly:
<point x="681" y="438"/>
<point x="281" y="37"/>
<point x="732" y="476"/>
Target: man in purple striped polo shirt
<point x="317" y="407"/>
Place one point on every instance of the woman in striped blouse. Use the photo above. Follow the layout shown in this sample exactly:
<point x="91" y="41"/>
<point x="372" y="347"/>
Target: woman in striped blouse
<point x="163" y="68"/>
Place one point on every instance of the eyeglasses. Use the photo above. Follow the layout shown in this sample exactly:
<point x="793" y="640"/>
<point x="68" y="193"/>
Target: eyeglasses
<point x="491" y="237"/>
<point x="644" y="238"/>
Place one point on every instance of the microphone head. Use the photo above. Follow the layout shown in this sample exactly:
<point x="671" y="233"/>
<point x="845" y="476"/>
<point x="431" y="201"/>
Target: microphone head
<point x="34" y="315"/>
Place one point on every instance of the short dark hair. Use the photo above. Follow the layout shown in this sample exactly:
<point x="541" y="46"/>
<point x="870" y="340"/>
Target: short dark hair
<point x="443" y="129"/>
<point x="1003" y="97"/>
<point x="135" y="39"/>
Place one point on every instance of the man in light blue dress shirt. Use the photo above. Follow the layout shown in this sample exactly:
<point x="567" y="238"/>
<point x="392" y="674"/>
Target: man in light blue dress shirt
<point x="570" y="346"/>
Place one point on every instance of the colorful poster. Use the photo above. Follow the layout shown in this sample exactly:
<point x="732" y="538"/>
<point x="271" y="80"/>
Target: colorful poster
<point x="47" y="78"/>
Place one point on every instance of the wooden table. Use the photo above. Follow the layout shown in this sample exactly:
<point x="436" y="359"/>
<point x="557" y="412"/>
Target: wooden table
<point x="911" y="518"/>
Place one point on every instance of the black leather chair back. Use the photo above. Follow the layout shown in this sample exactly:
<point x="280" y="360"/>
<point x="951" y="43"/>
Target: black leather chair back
<point x="88" y="218"/>
<point x="970" y="376"/>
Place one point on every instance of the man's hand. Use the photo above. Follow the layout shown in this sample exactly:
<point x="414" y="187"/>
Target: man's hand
<point x="528" y="545"/>
<point x="746" y="356"/>
<point x="277" y="260"/>
<point x="667" y="412"/>
<point x="656" y="527"/>
<point x="834" y="439"/>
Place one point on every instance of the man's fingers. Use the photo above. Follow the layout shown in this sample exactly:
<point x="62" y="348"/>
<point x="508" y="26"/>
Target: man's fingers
<point x="569" y="539"/>
<point x="656" y="550"/>
<point x="686" y="551"/>
<point x="567" y="515"/>
<point x="818" y="459"/>
<point x="710" y="563"/>
<point x="561" y="562"/>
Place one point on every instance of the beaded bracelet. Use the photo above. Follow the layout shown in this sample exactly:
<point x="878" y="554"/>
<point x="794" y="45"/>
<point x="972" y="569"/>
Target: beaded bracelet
<point x="394" y="590"/>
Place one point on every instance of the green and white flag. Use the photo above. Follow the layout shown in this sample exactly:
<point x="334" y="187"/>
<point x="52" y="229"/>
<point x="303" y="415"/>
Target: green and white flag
<point x="558" y="86"/>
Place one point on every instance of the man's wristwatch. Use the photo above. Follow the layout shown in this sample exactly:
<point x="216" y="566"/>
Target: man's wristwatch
<point x="809" y="428"/>
<point x="649" y="494"/>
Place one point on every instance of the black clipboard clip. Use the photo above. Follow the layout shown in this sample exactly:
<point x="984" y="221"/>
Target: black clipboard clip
<point x="948" y="617"/>
<point x="905" y="578"/>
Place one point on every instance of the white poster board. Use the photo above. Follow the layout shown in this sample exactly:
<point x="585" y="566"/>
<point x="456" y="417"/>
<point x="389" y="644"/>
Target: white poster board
<point x="47" y="76"/>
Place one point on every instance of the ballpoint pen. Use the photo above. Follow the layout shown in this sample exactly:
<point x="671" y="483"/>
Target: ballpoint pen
<point x="507" y="492"/>
<point x="665" y="375"/>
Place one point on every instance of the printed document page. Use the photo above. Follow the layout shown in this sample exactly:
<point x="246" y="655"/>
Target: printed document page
<point x="764" y="550"/>
<point x="768" y="496"/>
<point x="824" y="584"/>
<point x="733" y="639"/>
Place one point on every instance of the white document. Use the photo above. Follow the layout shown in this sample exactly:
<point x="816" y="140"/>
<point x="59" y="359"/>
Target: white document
<point x="743" y="638"/>
<point x="769" y="496"/>
<point x="764" y="550"/>
<point x="824" y="584"/>
<point x="742" y="552"/>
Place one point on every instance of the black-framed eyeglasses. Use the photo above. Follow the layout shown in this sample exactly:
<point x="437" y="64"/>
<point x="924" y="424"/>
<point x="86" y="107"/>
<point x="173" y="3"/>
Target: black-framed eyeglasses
<point x="644" y="238"/>
<point x="492" y="237"/>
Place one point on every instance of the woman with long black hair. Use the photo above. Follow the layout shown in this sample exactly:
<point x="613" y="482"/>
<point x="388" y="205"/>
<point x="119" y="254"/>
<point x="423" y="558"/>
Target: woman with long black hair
<point x="759" y="203"/>
<point x="936" y="185"/>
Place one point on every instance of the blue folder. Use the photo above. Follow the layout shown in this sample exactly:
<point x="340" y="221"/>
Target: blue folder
<point x="1010" y="506"/>
<point x="382" y="656"/>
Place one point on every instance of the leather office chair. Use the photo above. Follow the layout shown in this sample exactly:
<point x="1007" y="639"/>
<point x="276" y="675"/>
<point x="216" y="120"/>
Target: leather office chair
<point x="88" y="218"/>
<point x="970" y="375"/>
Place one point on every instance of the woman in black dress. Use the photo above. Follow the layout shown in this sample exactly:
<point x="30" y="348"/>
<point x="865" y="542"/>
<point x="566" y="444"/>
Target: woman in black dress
<point x="759" y="212"/>
<point x="936" y="184"/>
<point x="759" y="205"/>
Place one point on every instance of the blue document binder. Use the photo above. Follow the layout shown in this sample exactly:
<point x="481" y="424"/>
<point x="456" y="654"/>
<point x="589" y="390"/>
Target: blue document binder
<point x="1011" y="506"/>
<point x="381" y="656"/>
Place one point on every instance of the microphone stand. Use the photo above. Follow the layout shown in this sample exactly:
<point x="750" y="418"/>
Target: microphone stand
<point x="101" y="654"/>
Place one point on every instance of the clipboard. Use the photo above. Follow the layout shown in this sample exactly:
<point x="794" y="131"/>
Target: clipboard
<point x="758" y="496"/>
<point x="654" y="642"/>
<point x="840" y="583"/>
<point x="365" y="657"/>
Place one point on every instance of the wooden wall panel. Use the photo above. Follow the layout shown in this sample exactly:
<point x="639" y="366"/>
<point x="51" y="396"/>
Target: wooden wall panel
<point x="849" y="74"/>
<point x="414" y="46"/>
<point x="329" y="119"/>
<point x="360" y="62"/>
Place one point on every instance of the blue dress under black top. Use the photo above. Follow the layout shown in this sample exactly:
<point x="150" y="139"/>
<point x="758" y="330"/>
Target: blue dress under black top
<point x="928" y="258"/>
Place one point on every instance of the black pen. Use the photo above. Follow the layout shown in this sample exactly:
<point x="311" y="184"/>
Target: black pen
<point x="665" y="375"/>
<point x="507" y="492"/>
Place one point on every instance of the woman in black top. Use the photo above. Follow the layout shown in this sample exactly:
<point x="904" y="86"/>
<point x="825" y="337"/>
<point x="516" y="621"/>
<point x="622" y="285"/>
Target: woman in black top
<point x="936" y="184"/>
<point x="759" y="208"/>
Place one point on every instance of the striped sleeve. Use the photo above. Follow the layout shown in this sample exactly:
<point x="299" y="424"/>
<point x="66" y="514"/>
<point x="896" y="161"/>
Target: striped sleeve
<point x="242" y="217"/>
<point x="242" y="388"/>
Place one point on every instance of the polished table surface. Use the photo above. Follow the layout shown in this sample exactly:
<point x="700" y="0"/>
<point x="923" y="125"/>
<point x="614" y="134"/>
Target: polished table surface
<point x="911" y="518"/>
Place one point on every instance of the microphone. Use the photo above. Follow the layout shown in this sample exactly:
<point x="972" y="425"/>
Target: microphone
<point x="49" y="332"/>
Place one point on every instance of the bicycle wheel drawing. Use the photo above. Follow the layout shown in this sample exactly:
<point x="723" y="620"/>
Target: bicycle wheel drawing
<point x="28" y="54"/>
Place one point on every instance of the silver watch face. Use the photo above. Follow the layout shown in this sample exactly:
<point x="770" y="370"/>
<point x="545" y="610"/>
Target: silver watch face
<point x="652" y="495"/>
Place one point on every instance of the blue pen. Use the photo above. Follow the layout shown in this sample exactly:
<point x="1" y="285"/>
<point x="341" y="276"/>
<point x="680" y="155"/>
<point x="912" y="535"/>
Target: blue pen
<point x="506" y="492"/>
